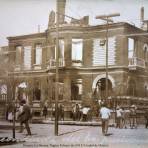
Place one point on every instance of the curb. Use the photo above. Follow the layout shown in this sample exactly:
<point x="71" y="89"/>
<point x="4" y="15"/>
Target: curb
<point x="74" y="123"/>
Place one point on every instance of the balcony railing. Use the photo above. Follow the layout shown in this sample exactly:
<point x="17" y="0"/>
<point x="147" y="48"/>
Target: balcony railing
<point x="52" y="62"/>
<point x="135" y="62"/>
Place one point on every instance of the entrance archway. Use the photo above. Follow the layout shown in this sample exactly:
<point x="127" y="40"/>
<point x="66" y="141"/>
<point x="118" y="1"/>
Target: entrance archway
<point x="99" y="86"/>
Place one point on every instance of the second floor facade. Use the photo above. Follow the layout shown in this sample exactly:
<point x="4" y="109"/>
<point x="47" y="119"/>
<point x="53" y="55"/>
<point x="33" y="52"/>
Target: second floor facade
<point x="81" y="46"/>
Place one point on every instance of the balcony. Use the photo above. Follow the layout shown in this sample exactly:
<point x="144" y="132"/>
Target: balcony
<point x="52" y="63"/>
<point x="37" y="66"/>
<point x="17" y="68"/>
<point x="135" y="63"/>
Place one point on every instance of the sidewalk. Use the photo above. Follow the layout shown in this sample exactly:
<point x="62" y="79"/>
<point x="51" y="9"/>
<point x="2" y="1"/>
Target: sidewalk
<point x="95" y="122"/>
<point x="79" y="137"/>
<point x="7" y="125"/>
<point x="78" y="123"/>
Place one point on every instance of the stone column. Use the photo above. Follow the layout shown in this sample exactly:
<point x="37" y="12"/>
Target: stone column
<point x="67" y="88"/>
<point x="87" y="52"/>
<point x="122" y="51"/>
<point x="87" y="83"/>
<point x="67" y="52"/>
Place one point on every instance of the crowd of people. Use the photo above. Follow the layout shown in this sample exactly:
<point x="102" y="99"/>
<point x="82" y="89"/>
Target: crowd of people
<point x="124" y="117"/>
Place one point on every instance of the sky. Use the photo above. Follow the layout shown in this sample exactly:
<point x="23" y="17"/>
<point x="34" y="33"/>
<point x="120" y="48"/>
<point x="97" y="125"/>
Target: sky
<point x="19" y="17"/>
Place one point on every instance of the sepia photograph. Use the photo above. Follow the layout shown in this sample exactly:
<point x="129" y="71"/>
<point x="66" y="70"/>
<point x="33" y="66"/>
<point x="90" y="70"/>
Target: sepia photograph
<point x="74" y="73"/>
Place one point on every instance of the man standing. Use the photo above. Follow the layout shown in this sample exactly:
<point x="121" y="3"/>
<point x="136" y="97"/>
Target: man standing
<point x="45" y="111"/>
<point x="61" y="112"/>
<point x="105" y="115"/>
<point x="146" y="118"/>
<point x="85" y="111"/>
<point x="133" y="117"/>
<point x="24" y="117"/>
<point x="119" y="117"/>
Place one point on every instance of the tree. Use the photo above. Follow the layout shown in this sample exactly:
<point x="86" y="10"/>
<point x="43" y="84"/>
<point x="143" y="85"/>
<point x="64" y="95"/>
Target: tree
<point x="7" y="77"/>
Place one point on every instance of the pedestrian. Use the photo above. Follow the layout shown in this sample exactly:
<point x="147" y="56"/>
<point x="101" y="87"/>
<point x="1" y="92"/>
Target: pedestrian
<point x="61" y="112"/>
<point x="6" y="112"/>
<point x="24" y="117"/>
<point x="10" y="116"/>
<point x="146" y="118"/>
<point x="125" y="117"/>
<point x="133" y="117"/>
<point x="76" y="112"/>
<point x="45" y="111"/>
<point x="105" y="115"/>
<point x="118" y="117"/>
<point x="10" y="112"/>
<point x="85" y="111"/>
<point x="19" y="111"/>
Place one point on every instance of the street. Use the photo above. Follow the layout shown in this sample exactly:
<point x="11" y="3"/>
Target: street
<point x="79" y="136"/>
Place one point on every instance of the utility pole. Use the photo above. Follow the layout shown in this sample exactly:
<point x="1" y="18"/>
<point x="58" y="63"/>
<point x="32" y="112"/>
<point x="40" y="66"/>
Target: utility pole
<point x="14" y="118"/>
<point x="108" y="20"/>
<point x="57" y="69"/>
<point x="59" y="20"/>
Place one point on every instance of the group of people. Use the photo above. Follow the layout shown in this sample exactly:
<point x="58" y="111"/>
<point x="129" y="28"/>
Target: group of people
<point x="80" y="113"/>
<point x="122" y="117"/>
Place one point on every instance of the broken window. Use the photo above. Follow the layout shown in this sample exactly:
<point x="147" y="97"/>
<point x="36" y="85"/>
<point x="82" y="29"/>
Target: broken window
<point x="77" y="50"/>
<point x="38" y="54"/>
<point x="130" y="48"/>
<point x="27" y="57"/>
<point x="18" y="55"/>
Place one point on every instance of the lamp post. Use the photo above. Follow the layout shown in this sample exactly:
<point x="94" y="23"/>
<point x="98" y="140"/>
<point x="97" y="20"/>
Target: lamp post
<point x="57" y="69"/>
<point x="108" y="20"/>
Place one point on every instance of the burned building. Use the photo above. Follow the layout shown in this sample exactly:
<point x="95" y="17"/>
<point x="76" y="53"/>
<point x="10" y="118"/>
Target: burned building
<point x="82" y="64"/>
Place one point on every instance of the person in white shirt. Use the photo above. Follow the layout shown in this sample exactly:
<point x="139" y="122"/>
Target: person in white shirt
<point x="85" y="112"/>
<point x="119" y="112"/>
<point x="105" y="115"/>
